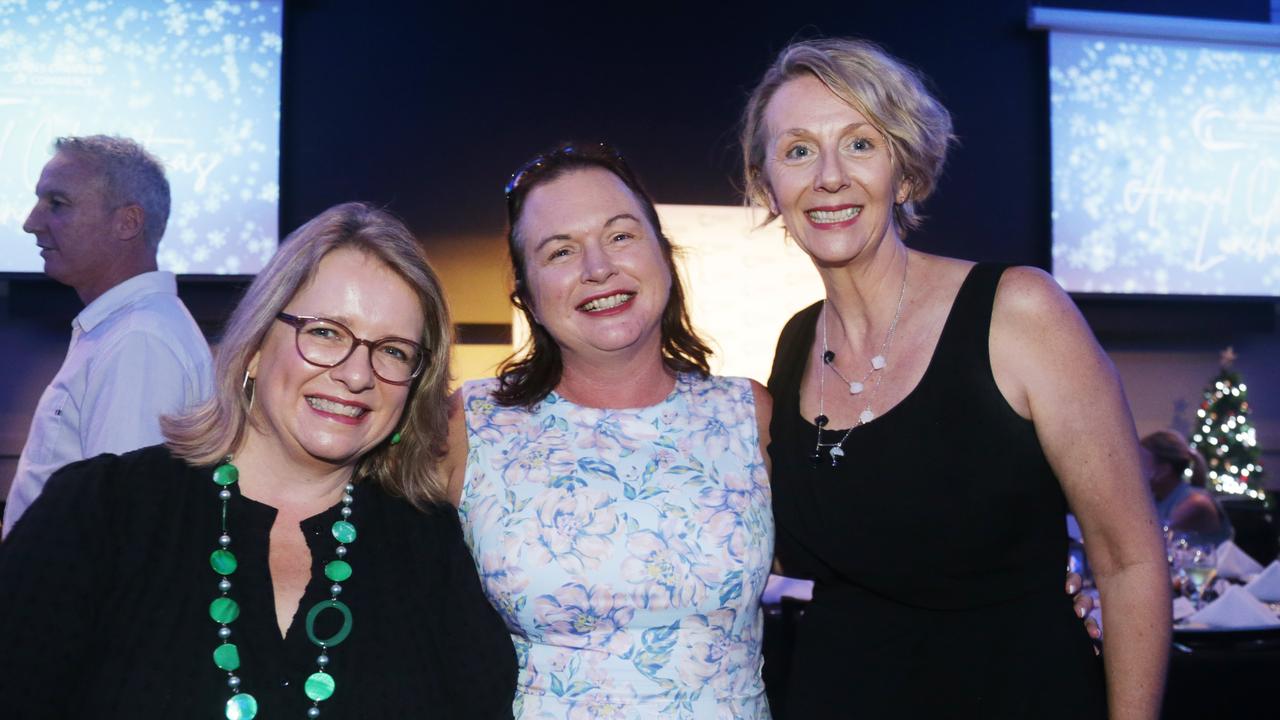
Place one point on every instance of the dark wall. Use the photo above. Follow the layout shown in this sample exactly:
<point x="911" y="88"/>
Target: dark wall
<point x="428" y="107"/>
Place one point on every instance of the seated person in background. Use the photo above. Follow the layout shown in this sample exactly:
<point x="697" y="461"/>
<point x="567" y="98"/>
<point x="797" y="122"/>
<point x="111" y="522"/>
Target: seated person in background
<point x="1176" y="473"/>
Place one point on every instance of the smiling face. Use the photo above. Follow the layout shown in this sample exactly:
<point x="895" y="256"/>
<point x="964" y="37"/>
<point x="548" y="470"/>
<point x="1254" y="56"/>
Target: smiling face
<point x="830" y="173"/>
<point x="72" y="222"/>
<point x="330" y="417"/>
<point x="594" y="271"/>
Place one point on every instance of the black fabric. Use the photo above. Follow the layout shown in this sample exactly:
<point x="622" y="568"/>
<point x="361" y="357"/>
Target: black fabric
<point x="937" y="547"/>
<point x="105" y="586"/>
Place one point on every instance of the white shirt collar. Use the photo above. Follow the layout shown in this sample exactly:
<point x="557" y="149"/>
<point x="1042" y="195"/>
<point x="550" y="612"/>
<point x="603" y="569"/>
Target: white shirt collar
<point x="126" y="293"/>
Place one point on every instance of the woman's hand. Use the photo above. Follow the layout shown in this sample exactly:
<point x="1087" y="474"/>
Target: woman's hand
<point x="1084" y="605"/>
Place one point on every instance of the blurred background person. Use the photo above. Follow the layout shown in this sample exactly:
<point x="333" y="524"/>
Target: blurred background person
<point x="1177" y="475"/>
<point x="102" y="204"/>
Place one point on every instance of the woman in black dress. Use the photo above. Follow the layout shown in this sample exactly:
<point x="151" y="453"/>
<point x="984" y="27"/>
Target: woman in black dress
<point x="933" y="421"/>
<point x="288" y="552"/>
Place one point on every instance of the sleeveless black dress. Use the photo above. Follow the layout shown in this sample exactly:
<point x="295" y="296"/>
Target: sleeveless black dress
<point x="937" y="546"/>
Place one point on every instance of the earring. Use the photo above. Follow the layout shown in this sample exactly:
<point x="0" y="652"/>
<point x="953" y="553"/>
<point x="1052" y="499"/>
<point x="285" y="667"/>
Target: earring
<point x="395" y="438"/>
<point x="245" y="387"/>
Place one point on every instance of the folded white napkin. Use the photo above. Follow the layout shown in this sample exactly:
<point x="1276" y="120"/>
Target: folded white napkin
<point x="1266" y="586"/>
<point x="1182" y="607"/>
<point x="1236" y="608"/>
<point x="1234" y="562"/>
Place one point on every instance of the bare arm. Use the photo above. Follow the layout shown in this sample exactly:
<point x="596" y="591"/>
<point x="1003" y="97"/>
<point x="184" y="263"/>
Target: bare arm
<point x="455" y="459"/>
<point x="764" y="413"/>
<point x="1051" y="370"/>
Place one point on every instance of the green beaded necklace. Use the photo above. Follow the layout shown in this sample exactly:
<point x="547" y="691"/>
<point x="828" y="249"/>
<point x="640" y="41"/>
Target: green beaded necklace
<point x="319" y="686"/>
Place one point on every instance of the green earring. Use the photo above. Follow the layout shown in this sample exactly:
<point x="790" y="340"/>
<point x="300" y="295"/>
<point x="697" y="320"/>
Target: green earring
<point x="395" y="439"/>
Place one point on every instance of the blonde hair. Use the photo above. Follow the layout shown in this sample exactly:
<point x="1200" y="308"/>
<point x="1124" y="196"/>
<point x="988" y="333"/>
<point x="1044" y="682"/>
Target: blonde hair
<point x="408" y="469"/>
<point x="891" y="95"/>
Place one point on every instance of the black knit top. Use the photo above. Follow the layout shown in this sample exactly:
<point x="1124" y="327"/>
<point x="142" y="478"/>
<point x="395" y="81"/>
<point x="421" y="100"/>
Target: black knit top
<point x="105" y="587"/>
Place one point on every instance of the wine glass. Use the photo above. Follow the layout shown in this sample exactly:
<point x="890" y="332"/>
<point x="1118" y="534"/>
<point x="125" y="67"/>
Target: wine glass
<point x="1199" y="562"/>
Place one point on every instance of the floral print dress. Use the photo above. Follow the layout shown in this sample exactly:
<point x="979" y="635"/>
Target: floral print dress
<point x="626" y="549"/>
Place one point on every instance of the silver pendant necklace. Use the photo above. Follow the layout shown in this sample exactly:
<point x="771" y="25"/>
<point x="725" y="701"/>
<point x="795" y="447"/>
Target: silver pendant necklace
<point x="835" y="450"/>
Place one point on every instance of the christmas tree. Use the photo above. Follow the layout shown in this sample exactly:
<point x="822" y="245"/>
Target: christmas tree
<point x="1225" y="437"/>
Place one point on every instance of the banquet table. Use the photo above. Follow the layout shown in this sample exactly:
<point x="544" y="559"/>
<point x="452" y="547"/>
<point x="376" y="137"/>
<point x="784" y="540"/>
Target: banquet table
<point x="1224" y="660"/>
<point x="1223" y="673"/>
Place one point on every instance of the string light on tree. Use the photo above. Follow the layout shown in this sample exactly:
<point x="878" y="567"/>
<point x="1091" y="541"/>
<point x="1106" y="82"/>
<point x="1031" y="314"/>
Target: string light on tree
<point x="1225" y="436"/>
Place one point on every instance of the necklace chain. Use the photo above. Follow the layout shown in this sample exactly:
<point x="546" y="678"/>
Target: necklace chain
<point x="835" y="450"/>
<point x="319" y="686"/>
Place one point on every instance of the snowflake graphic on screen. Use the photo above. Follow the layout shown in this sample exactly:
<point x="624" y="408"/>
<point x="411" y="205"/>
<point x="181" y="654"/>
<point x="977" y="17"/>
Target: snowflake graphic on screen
<point x="1166" y="166"/>
<point x="196" y="82"/>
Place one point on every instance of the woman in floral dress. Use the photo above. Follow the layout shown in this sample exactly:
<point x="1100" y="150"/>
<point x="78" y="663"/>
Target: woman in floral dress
<point x="614" y="494"/>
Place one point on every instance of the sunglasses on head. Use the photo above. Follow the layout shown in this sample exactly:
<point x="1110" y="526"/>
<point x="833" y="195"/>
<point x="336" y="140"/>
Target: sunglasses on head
<point x="539" y="163"/>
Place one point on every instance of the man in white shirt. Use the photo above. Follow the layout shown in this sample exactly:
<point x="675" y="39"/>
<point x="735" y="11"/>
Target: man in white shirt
<point x="102" y="204"/>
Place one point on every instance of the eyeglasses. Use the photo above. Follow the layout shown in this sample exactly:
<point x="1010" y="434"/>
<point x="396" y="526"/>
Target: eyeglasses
<point x="540" y="162"/>
<point x="328" y="343"/>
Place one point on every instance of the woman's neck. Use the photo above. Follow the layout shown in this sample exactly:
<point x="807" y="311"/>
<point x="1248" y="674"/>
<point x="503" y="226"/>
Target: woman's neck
<point x="616" y="383"/>
<point x="295" y="489"/>
<point x="862" y="296"/>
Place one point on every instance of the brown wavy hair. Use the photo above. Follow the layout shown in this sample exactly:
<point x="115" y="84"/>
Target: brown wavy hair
<point x="530" y="374"/>
<point x="1169" y="447"/>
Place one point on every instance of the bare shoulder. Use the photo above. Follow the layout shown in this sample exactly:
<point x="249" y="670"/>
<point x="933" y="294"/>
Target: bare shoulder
<point x="455" y="459"/>
<point x="938" y="273"/>
<point x="763" y="400"/>
<point x="764" y="415"/>
<point x="1028" y="293"/>
<point x="1033" y="312"/>
<point x="1039" y="342"/>
<point x="1197" y="505"/>
<point x="935" y="281"/>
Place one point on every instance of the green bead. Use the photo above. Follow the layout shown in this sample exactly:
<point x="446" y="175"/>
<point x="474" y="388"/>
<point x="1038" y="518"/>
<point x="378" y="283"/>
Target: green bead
<point x="223" y="562"/>
<point x="242" y="707"/>
<point x="224" y="610"/>
<point x="338" y="570"/>
<point x="342" y="633"/>
<point x="319" y="686"/>
<point x="227" y="657"/>
<point x="344" y="532"/>
<point x="226" y="474"/>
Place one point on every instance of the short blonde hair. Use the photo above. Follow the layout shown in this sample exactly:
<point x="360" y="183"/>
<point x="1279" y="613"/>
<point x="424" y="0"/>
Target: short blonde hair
<point x="409" y="469"/>
<point x="890" y="94"/>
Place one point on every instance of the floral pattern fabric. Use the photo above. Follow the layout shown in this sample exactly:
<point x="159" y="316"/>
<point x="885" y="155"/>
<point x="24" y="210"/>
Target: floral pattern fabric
<point x="626" y="549"/>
